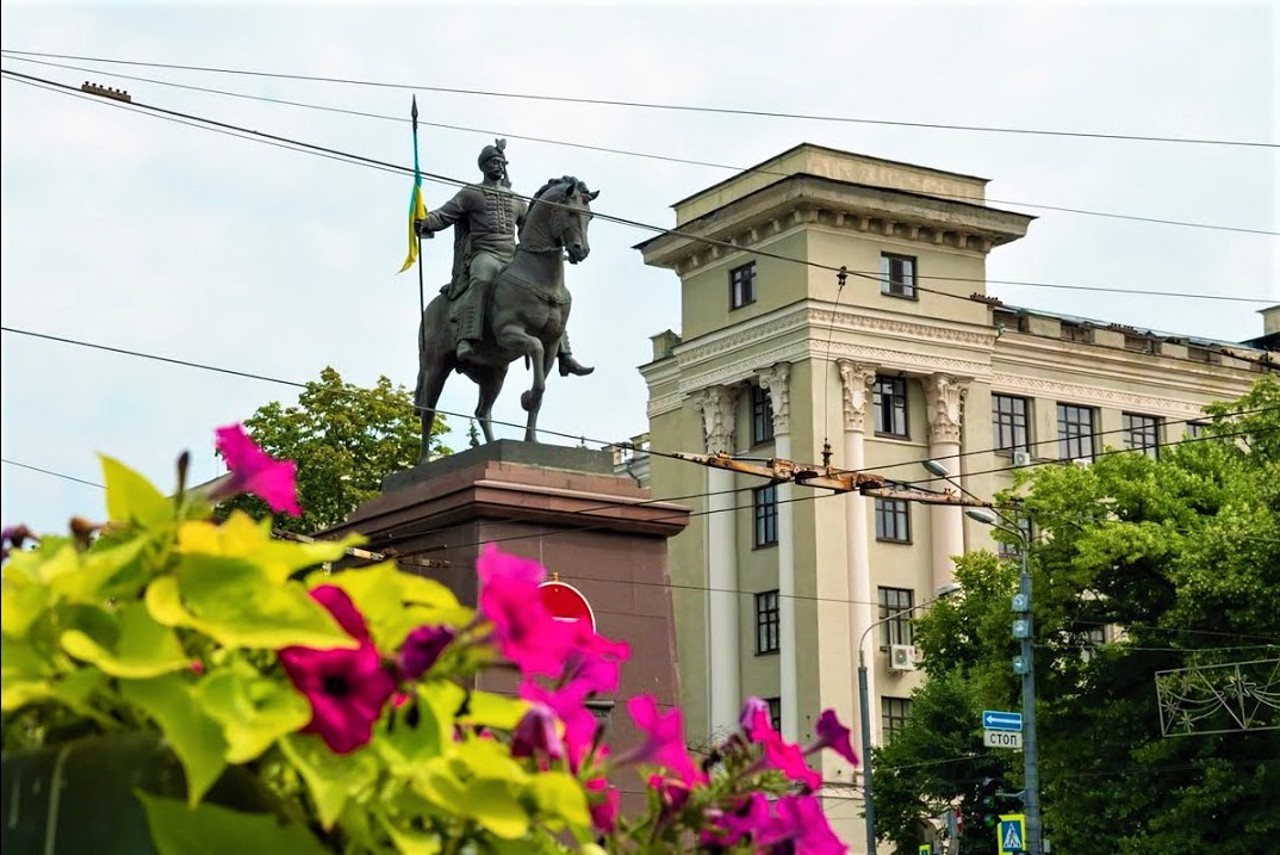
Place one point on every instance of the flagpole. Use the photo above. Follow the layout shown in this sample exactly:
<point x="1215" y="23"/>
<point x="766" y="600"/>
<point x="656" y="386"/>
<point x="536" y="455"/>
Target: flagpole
<point x="422" y="289"/>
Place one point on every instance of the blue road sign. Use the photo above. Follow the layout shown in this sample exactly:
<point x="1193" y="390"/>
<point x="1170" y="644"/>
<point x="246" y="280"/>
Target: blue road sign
<point x="1012" y="834"/>
<point x="997" y="720"/>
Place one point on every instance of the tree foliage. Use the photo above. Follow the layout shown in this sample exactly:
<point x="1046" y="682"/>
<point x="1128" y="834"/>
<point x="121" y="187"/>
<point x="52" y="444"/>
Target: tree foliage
<point x="345" y="439"/>
<point x="1177" y="561"/>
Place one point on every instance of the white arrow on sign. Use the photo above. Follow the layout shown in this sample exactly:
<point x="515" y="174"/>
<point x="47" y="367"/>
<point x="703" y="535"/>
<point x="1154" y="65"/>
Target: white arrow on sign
<point x="1002" y="739"/>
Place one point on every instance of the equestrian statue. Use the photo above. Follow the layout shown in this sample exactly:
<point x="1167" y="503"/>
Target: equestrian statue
<point x="506" y="300"/>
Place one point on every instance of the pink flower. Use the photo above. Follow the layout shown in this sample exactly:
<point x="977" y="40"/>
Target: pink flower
<point x="751" y="818"/>
<point x="834" y="735"/>
<point x="346" y="688"/>
<point x="595" y="661"/>
<point x="535" y="734"/>
<point x="422" y="648"/>
<point x="603" y="804"/>
<point x="673" y="795"/>
<point x="254" y="471"/>
<point x="567" y="703"/>
<point x="810" y="833"/>
<point x="15" y="536"/>
<point x="523" y="630"/>
<point x="663" y="739"/>
<point x="778" y="753"/>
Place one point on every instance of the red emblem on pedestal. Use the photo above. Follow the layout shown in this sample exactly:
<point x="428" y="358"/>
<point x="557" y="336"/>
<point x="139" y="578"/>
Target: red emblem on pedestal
<point x="565" y="602"/>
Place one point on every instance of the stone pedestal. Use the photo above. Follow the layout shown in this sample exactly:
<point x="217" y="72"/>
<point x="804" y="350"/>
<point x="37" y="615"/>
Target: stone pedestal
<point x="567" y="509"/>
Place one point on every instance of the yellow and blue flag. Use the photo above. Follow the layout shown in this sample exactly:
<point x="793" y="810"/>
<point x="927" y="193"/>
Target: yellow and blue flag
<point x="417" y="208"/>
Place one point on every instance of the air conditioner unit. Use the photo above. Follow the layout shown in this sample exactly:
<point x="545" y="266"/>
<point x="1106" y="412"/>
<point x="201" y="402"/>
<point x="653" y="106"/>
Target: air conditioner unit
<point x="1082" y="462"/>
<point x="1022" y="458"/>
<point x="902" y="657"/>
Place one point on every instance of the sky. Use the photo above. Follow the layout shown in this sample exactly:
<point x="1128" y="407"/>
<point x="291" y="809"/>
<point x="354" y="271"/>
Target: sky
<point x="130" y="231"/>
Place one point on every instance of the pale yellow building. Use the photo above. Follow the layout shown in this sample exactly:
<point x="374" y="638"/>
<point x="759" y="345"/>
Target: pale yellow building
<point x="774" y="585"/>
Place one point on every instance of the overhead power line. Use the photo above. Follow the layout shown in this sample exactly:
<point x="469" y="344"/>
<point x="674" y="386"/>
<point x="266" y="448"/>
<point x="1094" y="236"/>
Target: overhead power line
<point x="337" y="154"/>
<point x="628" y="152"/>
<point x="648" y="105"/>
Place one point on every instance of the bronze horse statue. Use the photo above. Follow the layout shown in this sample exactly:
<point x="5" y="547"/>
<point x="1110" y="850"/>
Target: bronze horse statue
<point x="525" y="316"/>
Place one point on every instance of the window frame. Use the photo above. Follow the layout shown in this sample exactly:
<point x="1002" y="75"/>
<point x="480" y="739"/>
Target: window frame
<point x="768" y="623"/>
<point x="764" y="516"/>
<point x="893" y="520"/>
<point x="743" y="275"/>
<point x="775" y="712"/>
<point x="891" y="601"/>
<point x="894" y="712"/>
<point x="906" y="286"/>
<point x="761" y="415"/>
<point x="1065" y="440"/>
<point x="1149" y="427"/>
<point x="1195" y="429"/>
<point x="1002" y="420"/>
<point x="897" y="394"/>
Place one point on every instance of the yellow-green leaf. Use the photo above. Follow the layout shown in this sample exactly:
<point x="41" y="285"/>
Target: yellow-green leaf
<point x="195" y="737"/>
<point x="241" y="537"/>
<point x="497" y="711"/>
<point x="214" y="830"/>
<point x="103" y="573"/>
<point x="332" y="779"/>
<point x="253" y="710"/>
<point x="143" y="649"/>
<point x="411" y="842"/>
<point x="494" y="804"/>
<point x="560" y="795"/>
<point x="132" y="498"/>
<point x="21" y="605"/>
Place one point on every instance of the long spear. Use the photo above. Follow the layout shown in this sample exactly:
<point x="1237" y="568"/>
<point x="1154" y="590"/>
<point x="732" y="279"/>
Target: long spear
<point x="417" y="212"/>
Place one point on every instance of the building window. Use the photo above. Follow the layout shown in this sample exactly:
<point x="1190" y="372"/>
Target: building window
<point x="893" y="715"/>
<point x="1009" y="416"/>
<point x="742" y="285"/>
<point x="775" y="712"/>
<point x="1142" y="433"/>
<point x="893" y="520"/>
<point x="896" y="601"/>
<point x="1195" y="430"/>
<point x="890" y="406"/>
<point x="767" y="622"/>
<point x="1093" y="639"/>
<point x="898" y="275"/>
<point x="1075" y="432"/>
<point x="761" y="415"/>
<point x="766" y="512"/>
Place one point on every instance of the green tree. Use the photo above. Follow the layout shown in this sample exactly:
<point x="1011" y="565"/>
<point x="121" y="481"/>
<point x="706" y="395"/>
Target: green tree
<point x="345" y="439"/>
<point x="1178" y="561"/>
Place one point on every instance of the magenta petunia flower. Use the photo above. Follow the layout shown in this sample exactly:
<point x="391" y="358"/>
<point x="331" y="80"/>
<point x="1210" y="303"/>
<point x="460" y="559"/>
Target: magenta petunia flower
<point x="522" y="629"/>
<point x="751" y="818"/>
<point x="595" y="661"/>
<point x="535" y="734"/>
<point x="663" y="739"/>
<point x="567" y="703"/>
<point x="754" y="718"/>
<point x="346" y="688"/>
<point x="778" y="753"/>
<point x="422" y="648"/>
<point x="810" y="832"/>
<point x="834" y="735"/>
<point x="255" y="471"/>
<point x="604" y="804"/>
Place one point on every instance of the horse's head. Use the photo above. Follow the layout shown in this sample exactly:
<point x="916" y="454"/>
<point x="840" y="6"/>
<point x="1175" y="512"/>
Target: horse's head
<point x="569" y="209"/>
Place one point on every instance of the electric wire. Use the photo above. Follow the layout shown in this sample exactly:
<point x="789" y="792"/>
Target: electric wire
<point x="682" y="108"/>
<point x="873" y="276"/>
<point x="981" y="200"/>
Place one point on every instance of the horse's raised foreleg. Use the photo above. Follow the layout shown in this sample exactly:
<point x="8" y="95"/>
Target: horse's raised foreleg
<point x="514" y="338"/>
<point x="490" y="383"/>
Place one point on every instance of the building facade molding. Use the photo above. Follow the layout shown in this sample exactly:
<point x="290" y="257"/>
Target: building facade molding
<point x="855" y="381"/>
<point x="777" y="382"/>
<point x="944" y="395"/>
<point x="718" y="406"/>
<point x="1005" y="382"/>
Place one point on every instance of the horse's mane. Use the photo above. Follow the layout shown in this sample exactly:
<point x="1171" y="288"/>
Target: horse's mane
<point x="566" y="184"/>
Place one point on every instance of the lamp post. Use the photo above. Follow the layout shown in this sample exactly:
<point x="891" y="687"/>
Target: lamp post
<point x="1024" y="665"/>
<point x="869" y="805"/>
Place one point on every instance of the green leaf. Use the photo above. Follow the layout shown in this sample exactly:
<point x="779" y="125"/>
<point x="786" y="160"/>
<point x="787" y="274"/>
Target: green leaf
<point x="411" y="842"/>
<point x="132" y="498"/>
<point x="239" y="605"/>
<point x="404" y="747"/>
<point x="395" y="603"/>
<point x="241" y="537"/>
<point x="332" y="779"/>
<point x="254" y="711"/>
<point x="495" y="805"/>
<point x="104" y="573"/>
<point x="195" y="737"/>
<point x="498" y="711"/>
<point x="144" y="648"/>
<point x="213" y="830"/>
<point x="561" y="795"/>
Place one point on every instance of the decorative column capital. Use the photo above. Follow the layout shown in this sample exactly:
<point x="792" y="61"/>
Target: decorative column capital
<point x="718" y="406"/>
<point x="945" y="396"/>
<point x="777" y="382"/>
<point x="856" y="379"/>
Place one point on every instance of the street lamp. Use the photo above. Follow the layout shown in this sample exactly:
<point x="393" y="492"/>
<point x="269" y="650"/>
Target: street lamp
<point x="1024" y="665"/>
<point x="869" y="805"/>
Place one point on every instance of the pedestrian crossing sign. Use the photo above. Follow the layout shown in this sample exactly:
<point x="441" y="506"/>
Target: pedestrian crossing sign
<point x="926" y="849"/>
<point x="1011" y="834"/>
